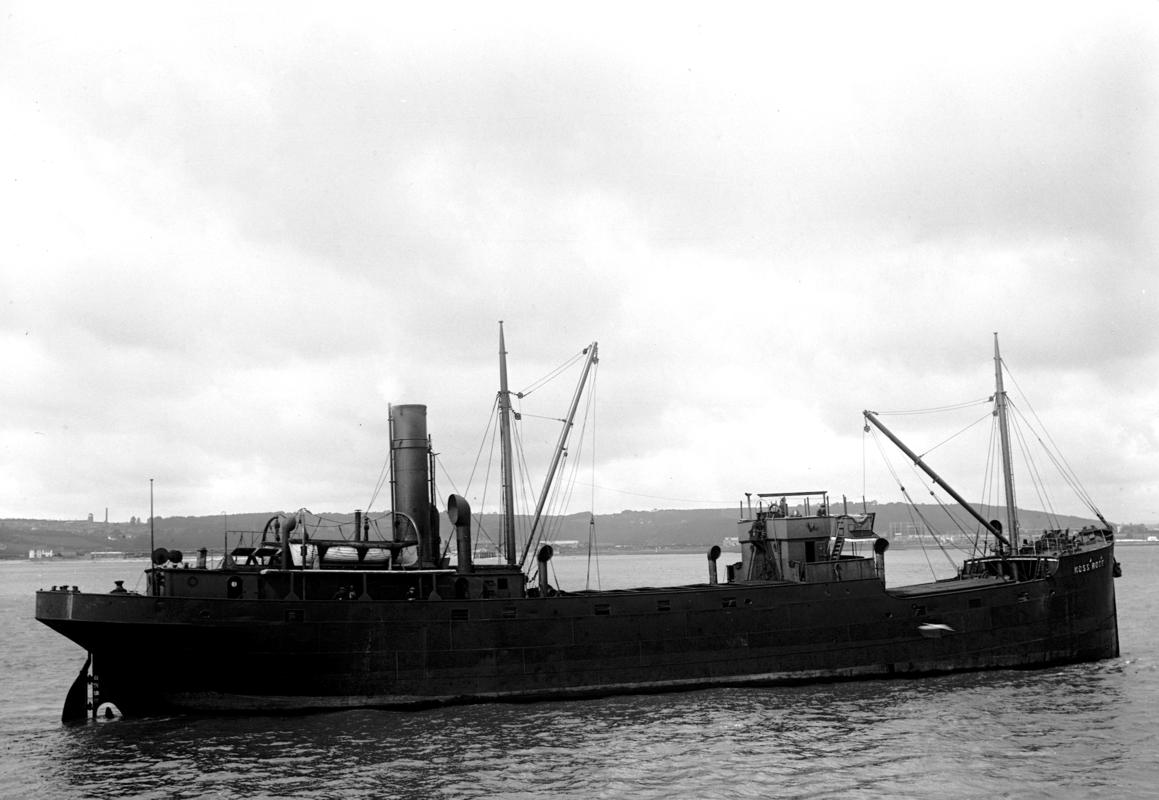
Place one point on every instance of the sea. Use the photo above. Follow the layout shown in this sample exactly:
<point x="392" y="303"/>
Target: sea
<point x="1072" y="732"/>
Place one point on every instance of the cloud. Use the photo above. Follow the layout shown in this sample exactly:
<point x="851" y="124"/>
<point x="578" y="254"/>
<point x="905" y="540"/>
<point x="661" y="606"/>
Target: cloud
<point x="237" y="243"/>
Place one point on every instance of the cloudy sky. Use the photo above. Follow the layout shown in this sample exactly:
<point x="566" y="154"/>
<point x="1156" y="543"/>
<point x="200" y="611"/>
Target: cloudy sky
<point x="232" y="236"/>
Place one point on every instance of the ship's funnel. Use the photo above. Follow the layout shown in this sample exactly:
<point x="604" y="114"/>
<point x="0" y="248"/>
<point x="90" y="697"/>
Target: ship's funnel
<point x="410" y="452"/>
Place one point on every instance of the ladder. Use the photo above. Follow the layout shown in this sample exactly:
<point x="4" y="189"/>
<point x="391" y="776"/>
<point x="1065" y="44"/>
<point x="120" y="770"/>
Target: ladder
<point x="839" y="536"/>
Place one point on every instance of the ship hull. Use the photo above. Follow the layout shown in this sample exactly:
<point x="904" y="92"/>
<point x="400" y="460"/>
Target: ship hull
<point x="169" y="654"/>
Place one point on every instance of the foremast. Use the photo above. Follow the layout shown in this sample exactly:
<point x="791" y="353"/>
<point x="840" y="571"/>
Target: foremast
<point x="1012" y="536"/>
<point x="1004" y="433"/>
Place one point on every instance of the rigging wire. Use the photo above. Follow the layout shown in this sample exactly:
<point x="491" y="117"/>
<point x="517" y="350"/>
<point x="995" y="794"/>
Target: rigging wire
<point x="1026" y="428"/>
<point x="989" y="481"/>
<point x="384" y="475"/>
<point x="934" y="410"/>
<point x="551" y="501"/>
<point x="1055" y="453"/>
<point x="913" y="509"/>
<point x="568" y="486"/>
<point x="547" y="514"/>
<point x="483" y="497"/>
<point x="957" y="524"/>
<point x="562" y="490"/>
<point x="1035" y="475"/>
<point x="541" y="416"/>
<point x="708" y="502"/>
<point x="987" y="415"/>
<point x="526" y="490"/>
<point x="550" y="376"/>
<point x="490" y="433"/>
<point x="554" y="575"/>
<point x="455" y="489"/>
<point x="487" y="431"/>
<point x="864" y="461"/>
<point x="977" y="531"/>
<point x="1072" y="480"/>
<point x="592" y="508"/>
<point x="1032" y="467"/>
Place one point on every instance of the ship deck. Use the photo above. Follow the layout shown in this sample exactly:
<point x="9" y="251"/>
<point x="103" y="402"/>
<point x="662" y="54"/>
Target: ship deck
<point x="946" y="585"/>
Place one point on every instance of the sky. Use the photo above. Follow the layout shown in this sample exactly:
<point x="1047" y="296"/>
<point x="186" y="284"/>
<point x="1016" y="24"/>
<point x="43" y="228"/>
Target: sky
<point x="234" y="234"/>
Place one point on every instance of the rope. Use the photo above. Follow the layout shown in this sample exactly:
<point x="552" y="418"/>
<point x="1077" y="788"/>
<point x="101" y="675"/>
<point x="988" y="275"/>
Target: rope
<point x="989" y="481"/>
<point x="1053" y="450"/>
<point x="913" y="510"/>
<point x="383" y="476"/>
<point x="710" y="502"/>
<point x="935" y="410"/>
<point x="1036" y="476"/>
<point x="538" y="384"/>
<point x="988" y="415"/>
<point x="592" y="520"/>
<point x="563" y="490"/>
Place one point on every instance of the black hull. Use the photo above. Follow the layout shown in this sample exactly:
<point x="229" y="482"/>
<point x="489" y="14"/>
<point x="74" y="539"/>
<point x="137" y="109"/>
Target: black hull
<point x="215" y="655"/>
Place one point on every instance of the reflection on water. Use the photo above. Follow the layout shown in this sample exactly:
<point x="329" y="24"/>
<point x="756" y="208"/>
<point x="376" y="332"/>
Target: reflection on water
<point x="956" y="736"/>
<point x="1067" y="732"/>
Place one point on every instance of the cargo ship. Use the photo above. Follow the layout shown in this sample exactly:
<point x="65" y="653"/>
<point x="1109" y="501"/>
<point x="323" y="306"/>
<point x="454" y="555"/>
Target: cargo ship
<point x="300" y="622"/>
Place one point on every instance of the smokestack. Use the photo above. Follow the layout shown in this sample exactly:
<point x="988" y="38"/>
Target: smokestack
<point x="409" y="448"/>
<point x="358" y="524"/>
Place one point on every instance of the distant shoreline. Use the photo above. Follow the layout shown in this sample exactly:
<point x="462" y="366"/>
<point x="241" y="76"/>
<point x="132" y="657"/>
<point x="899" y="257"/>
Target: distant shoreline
<point x="613" y="550"/>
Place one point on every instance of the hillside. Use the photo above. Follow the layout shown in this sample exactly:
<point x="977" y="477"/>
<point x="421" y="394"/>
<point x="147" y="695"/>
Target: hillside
<point x="630" y="529"/>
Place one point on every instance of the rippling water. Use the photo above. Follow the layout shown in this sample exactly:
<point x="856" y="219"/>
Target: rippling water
<point x="1061" y="733"/>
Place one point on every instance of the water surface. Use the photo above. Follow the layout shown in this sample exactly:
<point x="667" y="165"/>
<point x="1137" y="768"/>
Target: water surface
<point x="1069" y="732"/>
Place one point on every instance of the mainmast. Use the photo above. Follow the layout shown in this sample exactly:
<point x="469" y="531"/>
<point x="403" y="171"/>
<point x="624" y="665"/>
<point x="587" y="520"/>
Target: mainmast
<point x="505" y="448"/>
<point x="1004" y="431"/>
